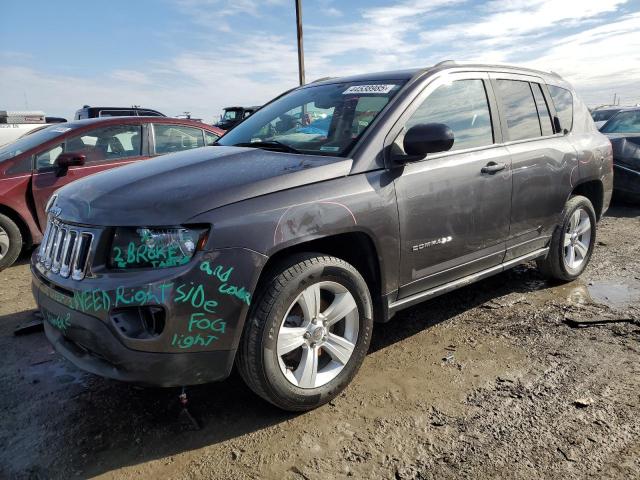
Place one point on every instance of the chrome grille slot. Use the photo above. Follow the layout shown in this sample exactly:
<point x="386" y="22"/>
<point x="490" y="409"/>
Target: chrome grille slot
<point x="57" y="250"/>
<point x="45" y="240"/>
<point x="65" y="250"/>
<point x="65" y="264"/>
<point x="49" y="246"/>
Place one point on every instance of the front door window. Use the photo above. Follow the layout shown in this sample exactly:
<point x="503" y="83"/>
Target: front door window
<point x="111" y="143"/>
<point x="461" y="105"/>
<point x="47" y="158"/>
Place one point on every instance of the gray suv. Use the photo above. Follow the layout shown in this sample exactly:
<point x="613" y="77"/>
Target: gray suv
<point x="333" y="207"/>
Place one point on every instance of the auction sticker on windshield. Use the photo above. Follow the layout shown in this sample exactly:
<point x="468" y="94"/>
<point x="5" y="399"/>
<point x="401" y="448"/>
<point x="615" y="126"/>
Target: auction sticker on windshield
<point x="368" y="89"/>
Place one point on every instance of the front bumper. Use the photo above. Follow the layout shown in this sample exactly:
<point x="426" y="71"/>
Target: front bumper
<point x="204" y="311"/>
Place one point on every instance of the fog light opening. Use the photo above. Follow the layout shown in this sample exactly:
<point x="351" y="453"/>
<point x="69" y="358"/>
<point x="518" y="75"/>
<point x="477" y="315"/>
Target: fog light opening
<point x="139" y="322"/>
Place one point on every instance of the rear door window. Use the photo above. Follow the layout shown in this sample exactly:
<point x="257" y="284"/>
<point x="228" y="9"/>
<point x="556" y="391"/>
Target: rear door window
<point x="462" y="105"/>
<point x="563" y="101"/>
<point x="543" y="110"/>
<point x="175" y="138"/>
<point x="519" y="109"/>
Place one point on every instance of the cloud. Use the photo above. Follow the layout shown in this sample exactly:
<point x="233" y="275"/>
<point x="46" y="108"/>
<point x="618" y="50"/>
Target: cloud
<point x="131" y="76"/>
<point x="192" y="81"/>
<point x="601" y="59"/>
<point x="593" y="44"/>
<point x="222" y="8"/>
<point x="508" y="22"/>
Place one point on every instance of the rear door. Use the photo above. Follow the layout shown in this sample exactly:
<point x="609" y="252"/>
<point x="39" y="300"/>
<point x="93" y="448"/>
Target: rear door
<point x="104" y="148"/>
<point x="543" y="161"/>
<point x="454" y="216"/>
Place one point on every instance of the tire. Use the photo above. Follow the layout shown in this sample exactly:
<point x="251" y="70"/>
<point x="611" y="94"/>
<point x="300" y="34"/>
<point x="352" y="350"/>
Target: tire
<point x="10" y="242"/>
<point x="269" y="360"/>
<point x="567" y="236"/>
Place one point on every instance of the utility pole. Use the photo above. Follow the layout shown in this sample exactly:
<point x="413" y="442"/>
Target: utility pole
<point x="300" y="48"/>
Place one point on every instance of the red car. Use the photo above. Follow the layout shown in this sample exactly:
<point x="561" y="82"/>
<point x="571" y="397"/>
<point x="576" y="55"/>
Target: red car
<point x="34" y="166"/>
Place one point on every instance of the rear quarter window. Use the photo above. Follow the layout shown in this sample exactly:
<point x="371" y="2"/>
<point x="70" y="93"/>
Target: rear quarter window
<point x="563" y="101"/>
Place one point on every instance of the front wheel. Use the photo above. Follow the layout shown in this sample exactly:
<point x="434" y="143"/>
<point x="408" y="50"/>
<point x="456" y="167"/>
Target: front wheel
<point x="308" y="333"/>
<point x="572" y="242"/>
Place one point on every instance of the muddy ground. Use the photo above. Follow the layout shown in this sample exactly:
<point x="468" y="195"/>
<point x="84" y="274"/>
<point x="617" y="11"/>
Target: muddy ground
<point x="488" y="381"/>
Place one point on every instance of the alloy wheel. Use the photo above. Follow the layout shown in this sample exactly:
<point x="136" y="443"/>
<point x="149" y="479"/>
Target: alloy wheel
<point x="318" y="334"/>
<point x="577" y="239"/>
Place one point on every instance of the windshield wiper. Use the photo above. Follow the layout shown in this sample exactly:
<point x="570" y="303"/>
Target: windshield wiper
<point x="270" y="145"/>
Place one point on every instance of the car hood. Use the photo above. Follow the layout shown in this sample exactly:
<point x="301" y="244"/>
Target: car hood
<point x="626" y="149"/>
<point x="171" y="189"/>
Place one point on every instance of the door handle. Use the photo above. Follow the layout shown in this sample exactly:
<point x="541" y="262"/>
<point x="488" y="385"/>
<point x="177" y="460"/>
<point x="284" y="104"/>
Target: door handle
<point x="493" y="167"/>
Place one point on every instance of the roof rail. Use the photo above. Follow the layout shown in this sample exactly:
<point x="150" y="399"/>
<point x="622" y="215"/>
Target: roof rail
<point x="444" y="62"/>
<point x="321" y="79"/>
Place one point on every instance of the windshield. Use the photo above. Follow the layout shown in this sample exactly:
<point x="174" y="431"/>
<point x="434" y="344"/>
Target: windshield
<point x="603" y="115"/>
<point x="623" y="122"/>
<point x="319" y="120"/>
<point x="30" y="141"/>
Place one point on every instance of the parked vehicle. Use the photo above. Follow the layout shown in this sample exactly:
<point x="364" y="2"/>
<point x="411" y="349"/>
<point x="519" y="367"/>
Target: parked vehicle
<point x="37" y="164"/>
<point x="14" y="124"/>
<point x="277" y="252"/>
<point x="623" y="129"/>
<point x="602" y="114"/>
<point x="94" y="112"/>
<point x="233" y="116"/>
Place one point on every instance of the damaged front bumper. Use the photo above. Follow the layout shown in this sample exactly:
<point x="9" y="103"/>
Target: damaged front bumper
<point x="158" y="327"/>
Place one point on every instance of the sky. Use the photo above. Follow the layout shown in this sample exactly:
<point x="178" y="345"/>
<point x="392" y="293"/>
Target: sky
<point x="199" y="56"/>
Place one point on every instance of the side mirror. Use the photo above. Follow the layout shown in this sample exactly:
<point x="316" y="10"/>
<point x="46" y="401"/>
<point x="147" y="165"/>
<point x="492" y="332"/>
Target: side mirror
<point x="426" y="138"/>
<point x="66" y="160"/>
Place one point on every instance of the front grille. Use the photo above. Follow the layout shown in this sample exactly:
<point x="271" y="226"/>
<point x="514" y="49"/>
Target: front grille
<point x="65" y="250"/>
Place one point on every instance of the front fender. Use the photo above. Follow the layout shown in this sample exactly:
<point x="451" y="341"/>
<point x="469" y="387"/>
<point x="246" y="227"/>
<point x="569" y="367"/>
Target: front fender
<point x="363" y="203"/>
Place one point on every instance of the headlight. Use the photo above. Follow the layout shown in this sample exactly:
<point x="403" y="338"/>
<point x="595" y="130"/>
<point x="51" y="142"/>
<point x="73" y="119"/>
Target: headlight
<point x="155" y="247"/>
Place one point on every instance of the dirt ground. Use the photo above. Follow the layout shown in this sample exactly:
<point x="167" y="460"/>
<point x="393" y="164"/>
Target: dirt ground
<point x="485" y="382"/>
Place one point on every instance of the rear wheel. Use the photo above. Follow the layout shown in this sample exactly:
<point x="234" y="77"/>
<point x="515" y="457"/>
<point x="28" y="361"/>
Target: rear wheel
<point x="308" y="333"/>
<point x="572" y="242"/>
<point x="10" y="242"/>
